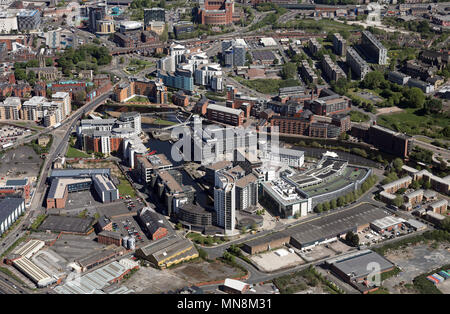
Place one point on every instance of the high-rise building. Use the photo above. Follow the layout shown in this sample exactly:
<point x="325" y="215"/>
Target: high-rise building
<point x="95" y="14"/>
<point x="339" y="44"/>
<point x="356" y="63"/>
<point x="374" y="48"/>
<point x="225" y="201"/>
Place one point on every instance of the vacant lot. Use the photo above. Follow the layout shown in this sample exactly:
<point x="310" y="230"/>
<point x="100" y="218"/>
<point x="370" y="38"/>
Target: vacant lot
<point x="20" y="162"/>
<point x="413" y="122"/>
<point x="414" y="261"/>
<point x="201" y="271"/>
<point x="269" y="261"/>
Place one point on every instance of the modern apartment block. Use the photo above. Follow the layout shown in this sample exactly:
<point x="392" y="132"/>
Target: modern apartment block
<point x="331" y="69"/>
<point x="358" y="65"/>
<point x="339" y="44"/>
<point x="10" y="108"/>
<point x="225" y="201"/>
<point x="374" y="48"/>
<point x="247" y="192"/>
<point x="153" y="89"/>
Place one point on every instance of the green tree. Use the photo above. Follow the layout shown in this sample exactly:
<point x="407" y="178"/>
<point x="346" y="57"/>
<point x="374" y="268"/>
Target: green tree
<point x="289" y="70"/>
<point x="20" y="74"/>
<point x="433" y="105"/>
<point x="398" y="164"/>
<point x="415" y="98"/>
<point x="318" y="208"/>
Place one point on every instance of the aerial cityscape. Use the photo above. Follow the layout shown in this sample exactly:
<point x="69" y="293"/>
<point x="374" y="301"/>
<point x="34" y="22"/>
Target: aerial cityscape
<point x="223" y="147"/>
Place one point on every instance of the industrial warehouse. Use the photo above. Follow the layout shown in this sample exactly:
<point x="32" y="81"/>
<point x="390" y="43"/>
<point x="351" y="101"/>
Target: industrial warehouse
<point x="321" y="230"/>
<point x="62" y="182"/>
<point x="355" y="268"/>
<point x="67" y="224"/>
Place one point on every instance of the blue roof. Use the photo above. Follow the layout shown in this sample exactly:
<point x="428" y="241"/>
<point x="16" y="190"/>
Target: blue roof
<point x="20" y="182"/>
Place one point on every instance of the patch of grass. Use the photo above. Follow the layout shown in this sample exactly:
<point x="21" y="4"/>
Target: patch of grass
<point x="138" y="99"/>
<point x="380" y="290"/>
<point x="38" y="221"/>
<point x="76" y="153"/>
<point x="163" y="122"/>
<point x="356" y="116"/>
<point x="414" y="122"/>
<point x="125" y="188"/>
<point x="267" y="86"/>
<point x="390" y="273"/>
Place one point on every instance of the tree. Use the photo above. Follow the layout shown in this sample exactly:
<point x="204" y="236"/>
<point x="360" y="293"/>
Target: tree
<point x="414" y="98"/>
<point x="398" y="201"/>
<point x="398" y="164"/>
<point x="373" y="80"/>
<point x="289" y="71"/>
<point x="340" y="201"/>
<point x="326" y="206"/>
<point x="20" y="74"/>
<point x="333" y="204"/>
<point x="433" y="105"/>
<point x="275" y="61"/>
<point x="319" y="208"/>
<point x="352" y="239"/>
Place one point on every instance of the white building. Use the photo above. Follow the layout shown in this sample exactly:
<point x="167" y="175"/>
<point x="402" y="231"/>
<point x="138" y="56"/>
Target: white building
<point x="8" y="22"/>
<point x="225" y="201"/>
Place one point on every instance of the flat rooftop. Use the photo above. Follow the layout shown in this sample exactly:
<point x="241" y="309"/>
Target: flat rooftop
<point x="59" y="223"/>
<point x="335" y="224"/>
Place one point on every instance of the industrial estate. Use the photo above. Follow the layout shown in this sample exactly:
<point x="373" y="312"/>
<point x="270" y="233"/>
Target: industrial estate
<point x="224" y="147"/>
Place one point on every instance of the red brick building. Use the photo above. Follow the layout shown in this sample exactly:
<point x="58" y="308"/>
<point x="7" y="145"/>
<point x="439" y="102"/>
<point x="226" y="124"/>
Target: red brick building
<point x="217" y="12"/>
<point x="109" y="237"/>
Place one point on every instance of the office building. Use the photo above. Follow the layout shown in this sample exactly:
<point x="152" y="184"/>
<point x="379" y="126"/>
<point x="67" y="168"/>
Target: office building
<point x="28" y="20"/>
<point x="224" y="114"/>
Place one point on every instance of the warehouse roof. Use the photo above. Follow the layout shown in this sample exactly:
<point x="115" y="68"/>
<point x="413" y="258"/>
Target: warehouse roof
<point x="334" y="224"/>
<point x="224" y="109"/>
<point x="387" y="222"/>
<point x="8" y="206"/>
<point x="355" y="265"/>
<point x="66" y="223"/>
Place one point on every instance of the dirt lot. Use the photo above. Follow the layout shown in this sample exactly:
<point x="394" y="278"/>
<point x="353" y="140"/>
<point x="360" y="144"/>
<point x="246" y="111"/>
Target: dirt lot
<point x="200" y="271"/>
<point x="388" y="110"/>
<point x="415" y="260"/>
<point x="150" y="280"/>
<point x="154" y="281"/>
<point x="19" y="163"/>
<point x="339" y="247"/>
<point x="269" y="261"/>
